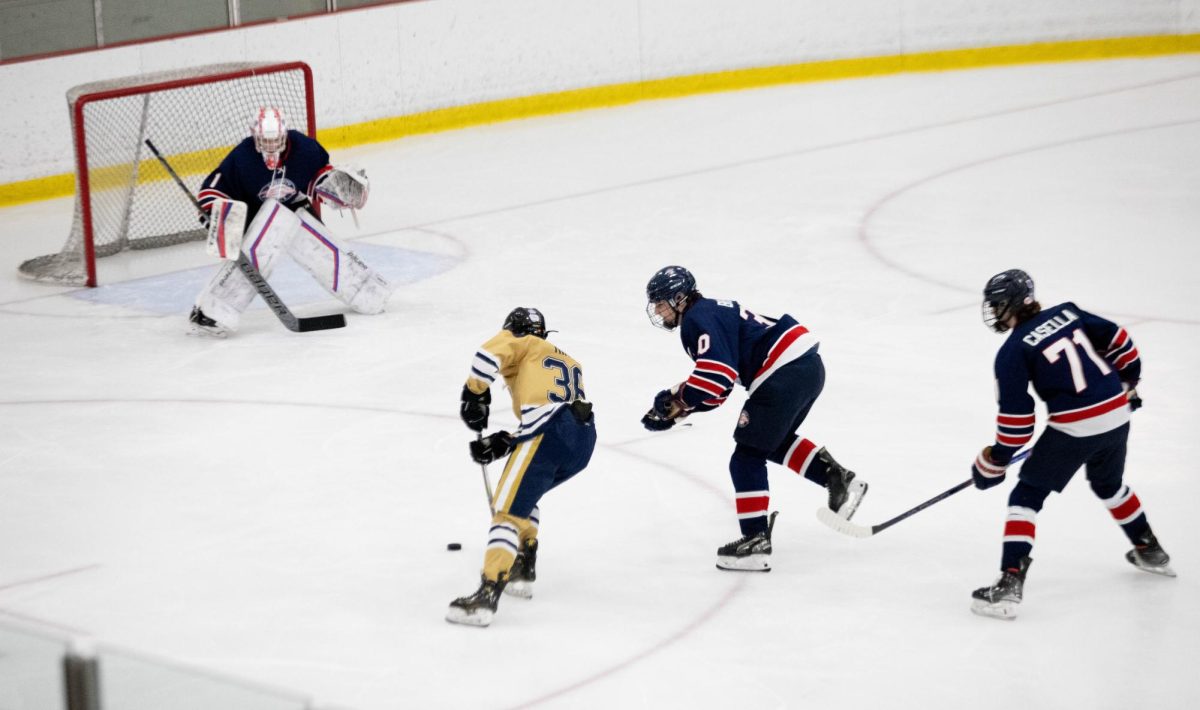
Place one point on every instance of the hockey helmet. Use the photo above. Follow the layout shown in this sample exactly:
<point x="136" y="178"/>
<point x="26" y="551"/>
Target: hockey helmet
<point x="1004" y="296"/>
<point x="525" y="321"/>
<point x="672" y="285"/>
<point x="270" y="135"/>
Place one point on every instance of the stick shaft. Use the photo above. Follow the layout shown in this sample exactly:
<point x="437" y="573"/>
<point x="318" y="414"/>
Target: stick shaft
<point x="487" y="483"/>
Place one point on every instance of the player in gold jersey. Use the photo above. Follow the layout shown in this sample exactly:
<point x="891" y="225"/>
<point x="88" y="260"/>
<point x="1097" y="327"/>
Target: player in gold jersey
<point x="554" y="441"/>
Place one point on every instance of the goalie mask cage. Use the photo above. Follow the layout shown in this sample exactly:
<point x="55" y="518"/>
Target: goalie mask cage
<point x="124" y="199"/>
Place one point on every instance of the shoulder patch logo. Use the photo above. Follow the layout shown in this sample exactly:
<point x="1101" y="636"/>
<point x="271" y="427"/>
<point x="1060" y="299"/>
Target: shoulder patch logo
<point x="743" y="419"/>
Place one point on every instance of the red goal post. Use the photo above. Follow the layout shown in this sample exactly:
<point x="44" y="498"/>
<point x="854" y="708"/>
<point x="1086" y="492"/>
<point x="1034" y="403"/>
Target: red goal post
<point x="124" y="199"/>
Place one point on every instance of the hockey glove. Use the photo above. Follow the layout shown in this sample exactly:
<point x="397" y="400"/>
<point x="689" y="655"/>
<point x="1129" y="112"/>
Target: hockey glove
<point x="653" y="422"/>
<point x="490" y="448"/>
<point x="985" y="472"/>
<point x="474" y="408"/>
<point x="1131" y="393"/>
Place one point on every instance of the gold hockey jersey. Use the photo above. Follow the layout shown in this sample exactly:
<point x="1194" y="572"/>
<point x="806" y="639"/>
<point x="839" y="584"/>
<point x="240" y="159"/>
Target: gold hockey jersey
<point x="540" y="377"/>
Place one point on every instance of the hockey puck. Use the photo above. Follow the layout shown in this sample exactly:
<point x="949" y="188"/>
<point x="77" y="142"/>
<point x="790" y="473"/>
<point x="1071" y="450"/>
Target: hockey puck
<point x="454" y="546"/>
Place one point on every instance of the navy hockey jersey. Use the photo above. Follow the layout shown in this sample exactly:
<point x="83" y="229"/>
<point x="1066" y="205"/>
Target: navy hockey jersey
<point x="243" y="175"/>
<point x="1076" y="362"/>
<point x="730" y="345"/>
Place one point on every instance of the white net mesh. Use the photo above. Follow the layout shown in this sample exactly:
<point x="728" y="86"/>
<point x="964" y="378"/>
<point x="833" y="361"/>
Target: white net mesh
<point x="194" y="117"/>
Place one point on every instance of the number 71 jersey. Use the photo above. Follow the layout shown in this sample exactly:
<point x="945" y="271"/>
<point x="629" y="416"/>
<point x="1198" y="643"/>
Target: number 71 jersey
<point x="540" y="377"/>
<point x="1076" y="362"/>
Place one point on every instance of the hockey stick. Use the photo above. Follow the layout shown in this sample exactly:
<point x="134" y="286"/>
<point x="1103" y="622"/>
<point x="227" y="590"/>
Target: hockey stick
<point x="487" y="483"/>
<point x="252" y="274"/>
<point x="837" y="522"/>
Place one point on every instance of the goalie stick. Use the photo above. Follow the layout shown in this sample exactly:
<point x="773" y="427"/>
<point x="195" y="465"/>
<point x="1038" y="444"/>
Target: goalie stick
<point x="252" y="274"/>
<point x="835" y="521"/>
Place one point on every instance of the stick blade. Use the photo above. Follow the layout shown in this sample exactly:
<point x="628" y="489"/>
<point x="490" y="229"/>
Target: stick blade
<point x="336" y="320"/>
<point x="845" y="527"/>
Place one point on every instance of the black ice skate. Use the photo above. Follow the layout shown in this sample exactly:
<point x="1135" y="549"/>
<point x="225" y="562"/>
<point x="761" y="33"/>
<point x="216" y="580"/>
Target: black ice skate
<point x="1001" y="599"/>
<point x="749" y="553"/>
<point x="479" y="608"/>
<point x="523" y="573"/>
<point x="845" y="491"/>
<point x="1148" y="555"/>
<point x="203" y="325"/>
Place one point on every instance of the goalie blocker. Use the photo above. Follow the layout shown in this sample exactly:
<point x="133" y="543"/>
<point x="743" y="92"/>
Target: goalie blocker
<point x="275" y="228"/>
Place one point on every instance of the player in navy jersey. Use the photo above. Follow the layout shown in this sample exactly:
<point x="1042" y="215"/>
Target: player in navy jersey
<point x="1086" y="369"/>
<point x="267" y="190"/>
<point x="776" y="360"/>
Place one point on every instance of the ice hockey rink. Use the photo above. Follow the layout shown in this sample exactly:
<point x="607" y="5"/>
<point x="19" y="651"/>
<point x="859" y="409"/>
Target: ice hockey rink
<point x="275" y="507"/>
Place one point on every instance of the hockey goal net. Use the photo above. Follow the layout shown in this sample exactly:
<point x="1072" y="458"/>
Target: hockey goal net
<point x="124" y="199"/>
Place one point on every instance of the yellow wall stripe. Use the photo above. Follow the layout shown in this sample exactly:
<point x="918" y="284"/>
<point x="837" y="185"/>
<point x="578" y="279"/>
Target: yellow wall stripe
<point x="617" y="94"/>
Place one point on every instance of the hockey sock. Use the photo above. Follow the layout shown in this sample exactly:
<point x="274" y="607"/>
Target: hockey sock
<point x="530" y="532"/>
<point x="502" y="548"/>
<point x="1125" y="508"/>
<point x="1020" y="526"/>
<point x="749" y="472"/>
<point x="800" y="455"/>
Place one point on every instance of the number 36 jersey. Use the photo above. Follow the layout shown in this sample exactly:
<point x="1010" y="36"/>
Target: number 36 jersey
<point x="1076" y="362"/>
<point x="540" y="377"/>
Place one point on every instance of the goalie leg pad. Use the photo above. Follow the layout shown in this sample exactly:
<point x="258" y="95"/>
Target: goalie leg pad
<point x="341" y="272"/>
<point x="229" y="293"/>
<point x="226" y="222"/>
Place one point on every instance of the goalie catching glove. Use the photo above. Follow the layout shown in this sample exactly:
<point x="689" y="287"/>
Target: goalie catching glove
<point x="490" y="448"/>
<point x="668" y="409"/>
<point x="343" y="189"/>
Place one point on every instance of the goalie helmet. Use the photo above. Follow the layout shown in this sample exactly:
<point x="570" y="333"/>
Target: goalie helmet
<point x="525" y="321"/>
<point x="674" y="286"/>
<point x="1006" y="294"/>
<point x="270" y="135"/>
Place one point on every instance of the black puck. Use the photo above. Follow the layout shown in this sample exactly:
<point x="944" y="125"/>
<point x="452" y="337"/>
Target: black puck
<point x="454" y="546"/>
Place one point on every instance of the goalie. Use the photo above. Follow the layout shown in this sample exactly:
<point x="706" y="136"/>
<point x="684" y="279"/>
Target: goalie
<point x="258" y="200"/>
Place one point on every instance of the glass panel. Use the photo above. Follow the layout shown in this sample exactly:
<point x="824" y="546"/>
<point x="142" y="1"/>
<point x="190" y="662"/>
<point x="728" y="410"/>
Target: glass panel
<point x="130" y="682"/>
<point x="40" y="26"/>
<point x="125" y="20"/>
<point x="31" y="669"/>
<point x="253" y="10"/>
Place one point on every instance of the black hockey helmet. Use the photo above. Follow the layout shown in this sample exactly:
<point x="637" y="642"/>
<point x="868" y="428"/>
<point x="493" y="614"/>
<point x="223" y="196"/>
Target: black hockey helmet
<point x="525" y="321"/>
<point x="1006" y="294"/>
<point x="672" y="285"/>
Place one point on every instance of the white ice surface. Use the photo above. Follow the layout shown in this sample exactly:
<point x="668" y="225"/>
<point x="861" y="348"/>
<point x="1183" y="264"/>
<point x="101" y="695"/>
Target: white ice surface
<point x="277" y="506"/>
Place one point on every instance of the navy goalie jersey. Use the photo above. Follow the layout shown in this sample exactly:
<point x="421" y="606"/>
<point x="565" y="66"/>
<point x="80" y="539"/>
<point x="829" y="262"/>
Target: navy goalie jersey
<point x="1076" y="362"/>
<point x="243" y="175"/>
<point x="730" y="345"/>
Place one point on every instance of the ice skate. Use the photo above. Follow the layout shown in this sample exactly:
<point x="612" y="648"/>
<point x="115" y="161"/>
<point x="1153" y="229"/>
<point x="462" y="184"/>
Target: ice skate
<point x="200" y="324"/>
<point x="478" y="608"/>
<point x="846" y="492"/>
<point x="1149" y="556"/>
<point x="749" y="553"/>
<point x="523" y="573"/>
<point x="1000" y="600"/>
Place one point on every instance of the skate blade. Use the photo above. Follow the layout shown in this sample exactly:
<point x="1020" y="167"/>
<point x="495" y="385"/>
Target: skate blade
<point x="519" y="589"/>
<point x="858" y="491"/>
<point x="996" y="610"/>
<point x="1136" y="561"/>
<point x="479" y="617"/>
<point x="750" y="563"/>
<point x="1165" y="570"/>
<point x="197" y="331"/>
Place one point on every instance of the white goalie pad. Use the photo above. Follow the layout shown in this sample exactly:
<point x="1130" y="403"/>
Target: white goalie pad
<point x="226" y="222"/>
<point x="228" y="293"/>
<point x="340" y="271"/>
<point x="343" y="189"/>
